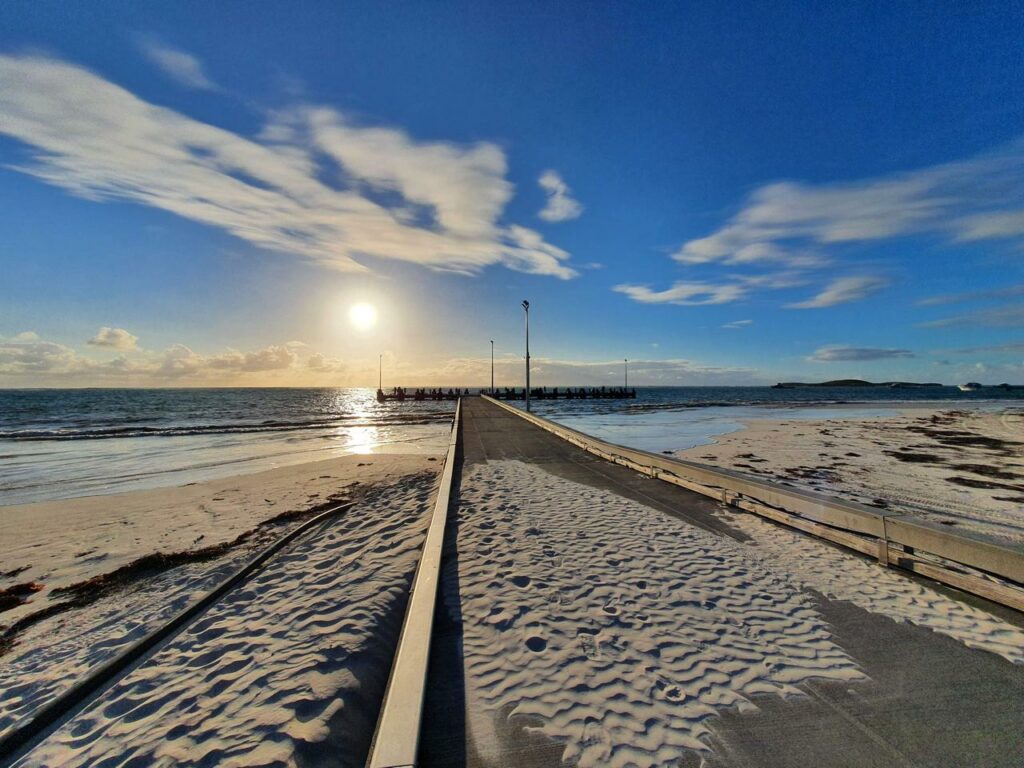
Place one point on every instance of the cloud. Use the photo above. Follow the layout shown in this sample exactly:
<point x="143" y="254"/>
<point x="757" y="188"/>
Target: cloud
<point x="981" y="197"/>
<point x="685" y="293"/>
<point x="843" y="290"/>
<point x="113" y="338"/>
<point x="26" y="353"/>
<point x="959" y="298"/>
<point x="1011" y="347"/>
<point x="736" y="324"/>
<point x="838" y="353"/>
<point x="1010" y="316"/>
<point x="180" y="361"/>
<point x="560" y="205"/>
<point x="181" y="67"/>
<point x="436" y="204"/>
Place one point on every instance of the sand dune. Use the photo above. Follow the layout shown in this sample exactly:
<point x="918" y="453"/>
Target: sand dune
<point x="286" y="668"/>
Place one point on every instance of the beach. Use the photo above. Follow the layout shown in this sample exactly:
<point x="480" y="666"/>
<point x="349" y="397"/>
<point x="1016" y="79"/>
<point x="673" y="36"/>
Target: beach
<point x="956" y="467"/>
<point x="96" y="583"/>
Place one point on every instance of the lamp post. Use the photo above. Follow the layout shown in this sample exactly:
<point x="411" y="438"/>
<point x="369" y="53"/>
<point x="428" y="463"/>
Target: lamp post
<point x="492" y="366"/>
<point x="626" y="373"/>
<point x="380" y="373"/>
<point x="526" y="308"/>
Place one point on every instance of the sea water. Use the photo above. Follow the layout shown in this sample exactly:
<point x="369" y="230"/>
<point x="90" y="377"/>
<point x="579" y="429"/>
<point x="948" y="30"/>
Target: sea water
<point x="58" y="444"/>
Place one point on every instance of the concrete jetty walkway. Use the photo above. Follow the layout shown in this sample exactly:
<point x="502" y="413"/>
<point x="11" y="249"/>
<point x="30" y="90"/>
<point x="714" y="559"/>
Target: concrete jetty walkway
<point x="590" y="615"/>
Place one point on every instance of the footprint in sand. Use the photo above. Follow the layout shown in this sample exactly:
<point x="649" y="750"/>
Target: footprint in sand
<point x="521" y="581"/>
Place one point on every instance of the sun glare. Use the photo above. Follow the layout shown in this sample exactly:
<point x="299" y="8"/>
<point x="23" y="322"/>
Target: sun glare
<point x="363" y="316"/>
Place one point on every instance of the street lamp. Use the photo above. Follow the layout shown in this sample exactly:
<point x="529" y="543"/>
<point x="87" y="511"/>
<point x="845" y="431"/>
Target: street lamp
<point x="626" y="373"/>
<point x="526" y="308"/>
<point x="380" y="373"/>
<point x="492" y="366"/>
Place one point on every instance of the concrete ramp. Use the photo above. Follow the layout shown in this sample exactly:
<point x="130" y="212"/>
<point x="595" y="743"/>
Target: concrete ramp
<point x="590" y="615"/>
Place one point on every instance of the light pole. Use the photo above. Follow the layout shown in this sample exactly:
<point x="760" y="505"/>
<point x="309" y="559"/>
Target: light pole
<point x="526" y="308"/>
<point x="626" y="373"/>
<point x="380" y="373"/>
<point x="492" y="366"/>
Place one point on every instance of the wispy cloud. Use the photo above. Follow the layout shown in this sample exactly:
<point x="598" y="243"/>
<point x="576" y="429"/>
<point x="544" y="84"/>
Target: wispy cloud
<point x="978" y="198"/>
<point x="1010" y="316"/>
<point x="836" y="353"/>
<point x="685" y="293"/>
<point x="959" y="298"/>
<point x="113" y="338"/>
<point x="736" y="324"/>
<point x="560" y="205"/>
<point x="437" y="204"/>
<point x="183" y="68"/>
<point x="841" y="291"/>
<point x="1008" y="347"/>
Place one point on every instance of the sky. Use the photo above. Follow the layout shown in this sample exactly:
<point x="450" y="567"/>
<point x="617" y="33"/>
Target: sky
<point x="197" y="194"/>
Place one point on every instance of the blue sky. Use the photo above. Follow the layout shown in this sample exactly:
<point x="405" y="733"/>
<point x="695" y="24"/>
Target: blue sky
<point x="721" y="193"/>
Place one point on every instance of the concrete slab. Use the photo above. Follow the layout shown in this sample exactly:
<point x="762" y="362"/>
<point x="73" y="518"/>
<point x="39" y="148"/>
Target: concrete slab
<point x="930" y="700"/>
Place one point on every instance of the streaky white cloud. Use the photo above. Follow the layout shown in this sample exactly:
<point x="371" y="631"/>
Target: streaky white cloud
<point x="981" y="197"/>
<point x="1009" y="316"/>
<point x="835" y="353"/>
<point x="560" y="206"/>
<point x="1006" y="347"/>
<point x="183" y="68"/>
<point x="113" y="338"/>
<point x="685" y="293"/>
<point x="959" y="298"/>
<point x="179" y="361"/>
<point x="843" y="290"/>
<point x="737" y="324"/>
<point x="430" y="203"/>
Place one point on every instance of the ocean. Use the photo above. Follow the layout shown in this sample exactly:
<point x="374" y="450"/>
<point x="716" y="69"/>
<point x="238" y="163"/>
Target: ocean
<point x="58" y="444"/>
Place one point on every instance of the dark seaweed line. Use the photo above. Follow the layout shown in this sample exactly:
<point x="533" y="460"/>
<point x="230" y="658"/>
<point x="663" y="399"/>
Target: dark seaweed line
<point x="16" y="741"/>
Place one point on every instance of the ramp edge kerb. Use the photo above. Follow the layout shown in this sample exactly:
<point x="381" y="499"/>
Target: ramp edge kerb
<point x="849" y="518"/>
<point x="396" y="739"/>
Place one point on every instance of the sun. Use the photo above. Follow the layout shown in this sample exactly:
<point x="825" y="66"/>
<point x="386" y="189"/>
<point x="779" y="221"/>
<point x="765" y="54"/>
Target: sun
<point x="363" y="316"/>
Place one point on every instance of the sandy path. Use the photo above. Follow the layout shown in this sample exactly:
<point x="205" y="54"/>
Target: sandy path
<point x="622" y="631"/>
<point x="964" y="469"/>
<point x="288" y="669"/>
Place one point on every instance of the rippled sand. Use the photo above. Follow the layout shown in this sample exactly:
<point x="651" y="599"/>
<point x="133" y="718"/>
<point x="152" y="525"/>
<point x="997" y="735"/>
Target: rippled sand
<point x="290" y="665"/>
<point x="621" y="631"/>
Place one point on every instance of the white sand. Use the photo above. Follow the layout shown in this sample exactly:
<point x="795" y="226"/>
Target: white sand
<point x="65" y="542"/>
<point x="51" y="655"/>
<point x="279" y="672"/>
<point x="623" y="631"/>
<point x="964" y="469"/>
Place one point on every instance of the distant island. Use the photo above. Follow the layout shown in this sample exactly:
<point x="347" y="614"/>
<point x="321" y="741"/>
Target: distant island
<point x="854" y="383"/>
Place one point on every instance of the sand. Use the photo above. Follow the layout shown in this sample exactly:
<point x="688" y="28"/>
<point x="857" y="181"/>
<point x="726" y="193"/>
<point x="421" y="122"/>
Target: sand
<point x="288" y="670"/>
<point x="622" y="632"/>
<point x="963" y="469"/>
<point x="60" y="544"/>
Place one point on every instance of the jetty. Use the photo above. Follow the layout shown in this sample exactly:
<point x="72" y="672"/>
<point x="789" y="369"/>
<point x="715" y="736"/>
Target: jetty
<point x="402" y="394"/>
<point x="913" y="695"/>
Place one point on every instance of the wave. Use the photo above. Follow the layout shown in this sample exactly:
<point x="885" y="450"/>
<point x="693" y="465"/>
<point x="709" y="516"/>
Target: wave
<point x="185" y="430"/>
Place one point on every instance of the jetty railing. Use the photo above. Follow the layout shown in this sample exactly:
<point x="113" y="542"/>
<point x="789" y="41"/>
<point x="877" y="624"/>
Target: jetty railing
<point x="993" y="571"/>
<point x="396" y="740"/>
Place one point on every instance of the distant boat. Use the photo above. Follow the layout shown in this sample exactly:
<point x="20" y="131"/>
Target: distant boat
<point x="970" y="386"/>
